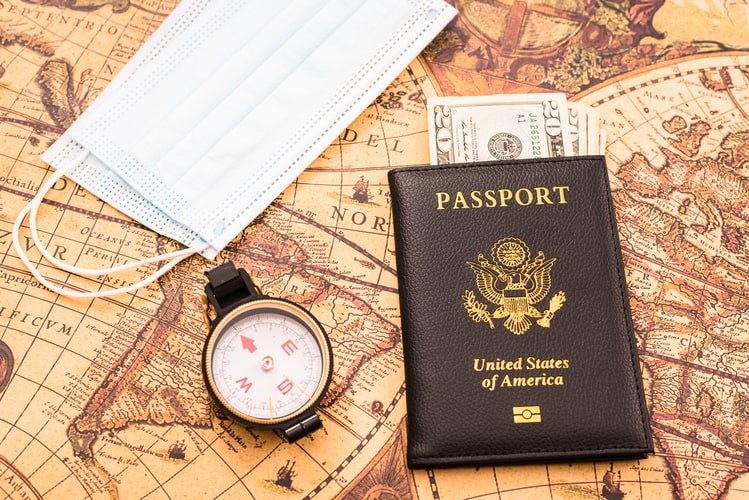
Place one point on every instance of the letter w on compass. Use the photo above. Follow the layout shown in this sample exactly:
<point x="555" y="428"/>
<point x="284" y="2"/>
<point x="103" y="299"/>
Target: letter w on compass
<point x="514" y="284"/>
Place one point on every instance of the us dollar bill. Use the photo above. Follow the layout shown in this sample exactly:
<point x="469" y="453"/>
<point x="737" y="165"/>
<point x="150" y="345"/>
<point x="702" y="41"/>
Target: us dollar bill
<point x="500" y="127"/>
<point x="587" y="137"/>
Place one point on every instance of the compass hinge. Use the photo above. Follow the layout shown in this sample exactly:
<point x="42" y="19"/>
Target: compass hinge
<point x="302" y="428"/>
<point x="228" y="287"/>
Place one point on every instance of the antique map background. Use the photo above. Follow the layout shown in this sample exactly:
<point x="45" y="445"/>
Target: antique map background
<point x="103" y="398"/>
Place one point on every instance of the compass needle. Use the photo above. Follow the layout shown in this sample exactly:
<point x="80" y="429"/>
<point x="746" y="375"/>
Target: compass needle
<point x="299" y="387"/>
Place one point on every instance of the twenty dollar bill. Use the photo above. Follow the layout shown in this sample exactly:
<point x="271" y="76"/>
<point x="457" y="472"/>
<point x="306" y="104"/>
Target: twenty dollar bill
<point x="499" y="127"/>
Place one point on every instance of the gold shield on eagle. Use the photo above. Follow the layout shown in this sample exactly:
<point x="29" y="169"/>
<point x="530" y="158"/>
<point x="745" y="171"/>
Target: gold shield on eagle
<point x="514" y="284"/>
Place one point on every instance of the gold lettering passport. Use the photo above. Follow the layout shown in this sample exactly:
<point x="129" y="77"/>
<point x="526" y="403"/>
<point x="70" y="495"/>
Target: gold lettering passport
<point x="517" y="336"/>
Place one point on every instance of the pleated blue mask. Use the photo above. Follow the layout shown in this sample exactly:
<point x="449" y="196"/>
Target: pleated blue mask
<point x="224" y="106"/>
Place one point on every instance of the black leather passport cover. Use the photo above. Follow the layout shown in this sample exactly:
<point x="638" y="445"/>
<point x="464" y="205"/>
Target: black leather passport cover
<point x="517" y="333"/>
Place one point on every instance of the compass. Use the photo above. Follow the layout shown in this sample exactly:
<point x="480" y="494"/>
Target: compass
<point x="267" y="361"/>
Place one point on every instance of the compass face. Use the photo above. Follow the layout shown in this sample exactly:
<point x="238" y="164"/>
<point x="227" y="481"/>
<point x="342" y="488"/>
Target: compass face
<point x="267" y="362"/>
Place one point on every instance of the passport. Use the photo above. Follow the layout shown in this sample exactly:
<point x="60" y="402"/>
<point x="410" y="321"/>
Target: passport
<point x="517" y="333"/>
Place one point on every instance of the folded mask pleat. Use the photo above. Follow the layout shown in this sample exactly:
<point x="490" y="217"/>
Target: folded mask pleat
<point x="286" y="44"/>
<point x="247" y="38"/>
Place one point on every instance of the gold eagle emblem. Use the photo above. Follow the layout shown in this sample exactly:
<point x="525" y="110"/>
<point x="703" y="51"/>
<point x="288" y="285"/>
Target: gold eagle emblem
<point x="514" y="284"/>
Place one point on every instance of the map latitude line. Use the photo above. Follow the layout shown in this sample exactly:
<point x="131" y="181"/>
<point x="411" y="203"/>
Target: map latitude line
<point x="141" y="8"/>
<point x="622" y="92"/>
<point x="682" y="273"/>
<point x="29" y="122"/>
<point x="73" y="208"/>
<point x="739" y="456"/>
<point x="325" y="229"/>
<point x="257" y="256"/>
<point x="385" y="168"/>
<point x="694" y="366"/>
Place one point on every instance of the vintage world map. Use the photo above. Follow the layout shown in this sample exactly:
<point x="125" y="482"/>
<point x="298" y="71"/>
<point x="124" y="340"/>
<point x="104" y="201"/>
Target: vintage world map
<point x="104" y="398"/>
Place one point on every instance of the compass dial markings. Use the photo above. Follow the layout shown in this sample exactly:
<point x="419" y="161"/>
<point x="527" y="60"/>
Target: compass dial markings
<point x="260" y="357"/>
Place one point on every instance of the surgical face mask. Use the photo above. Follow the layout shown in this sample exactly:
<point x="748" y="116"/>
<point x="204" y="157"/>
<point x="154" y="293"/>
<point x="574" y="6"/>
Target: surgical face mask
<point x="224" y="106"/>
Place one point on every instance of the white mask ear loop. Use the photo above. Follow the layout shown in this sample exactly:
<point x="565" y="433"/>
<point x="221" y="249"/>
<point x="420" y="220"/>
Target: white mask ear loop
<point x="32" y="210"/>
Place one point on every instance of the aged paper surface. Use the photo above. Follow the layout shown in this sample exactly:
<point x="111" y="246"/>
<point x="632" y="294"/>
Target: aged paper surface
<point x="104" y="398"/>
